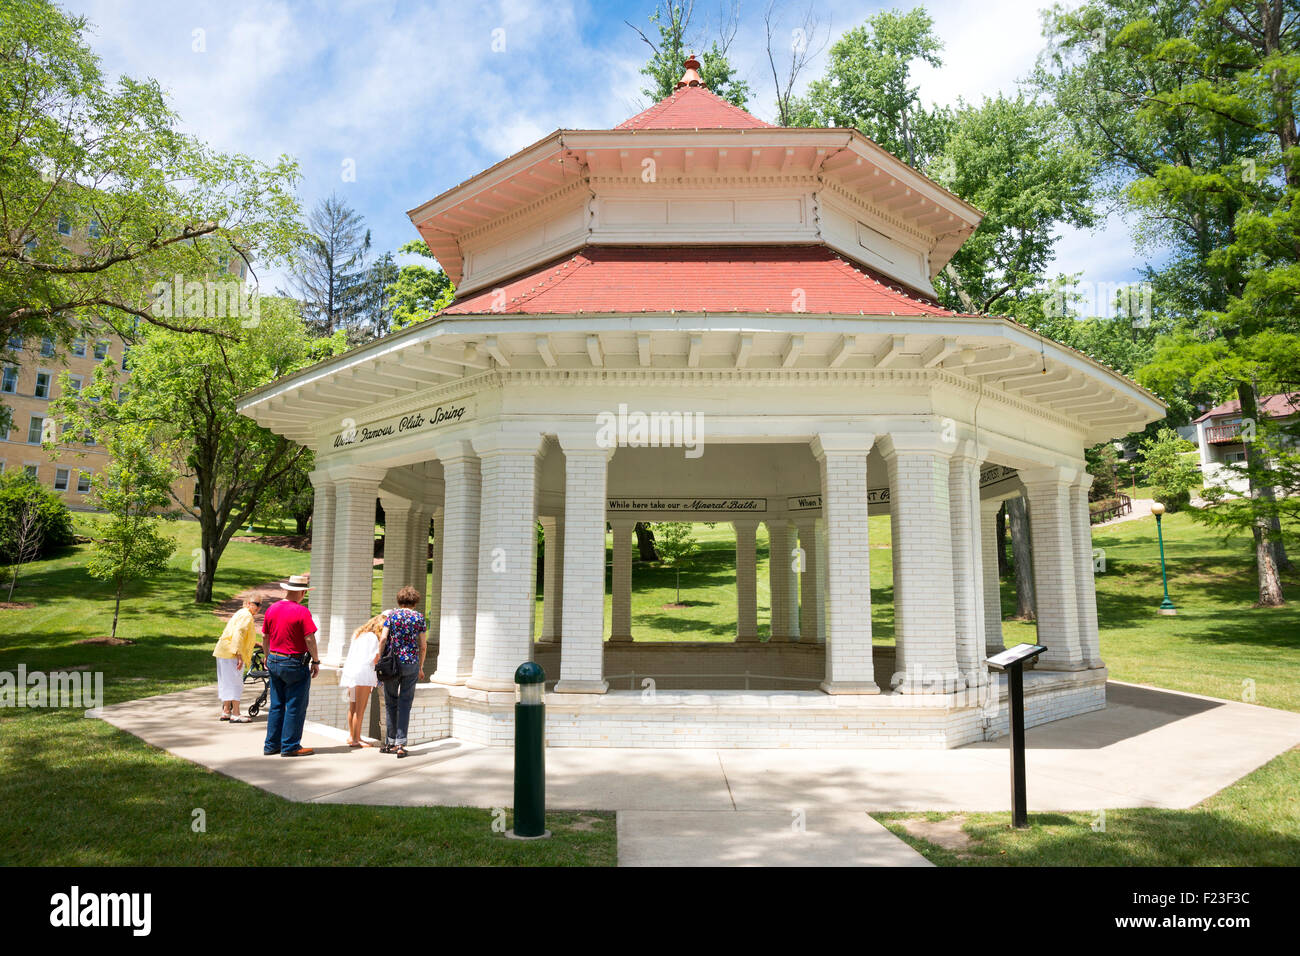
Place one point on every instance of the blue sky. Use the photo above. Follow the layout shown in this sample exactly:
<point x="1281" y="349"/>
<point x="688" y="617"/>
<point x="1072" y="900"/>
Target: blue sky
<point x="417" y="96"/>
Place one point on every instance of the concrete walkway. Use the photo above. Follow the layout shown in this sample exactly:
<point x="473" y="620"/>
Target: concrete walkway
<point x="1141" y="509"/>
<point x="1149" y="747"/>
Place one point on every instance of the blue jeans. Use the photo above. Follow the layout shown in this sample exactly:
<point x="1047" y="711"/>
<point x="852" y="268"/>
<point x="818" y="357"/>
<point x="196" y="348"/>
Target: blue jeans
<point x="399" y="694"/>
<point x="290" y="688"/>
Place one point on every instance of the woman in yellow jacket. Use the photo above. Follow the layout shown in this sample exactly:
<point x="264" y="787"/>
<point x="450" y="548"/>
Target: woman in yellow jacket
<point x="234" y="652"/>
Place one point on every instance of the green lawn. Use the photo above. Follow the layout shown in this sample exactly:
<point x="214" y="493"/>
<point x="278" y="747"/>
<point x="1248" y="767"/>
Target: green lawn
<point x="79" y="792"/>
<point x="62" y="765"/>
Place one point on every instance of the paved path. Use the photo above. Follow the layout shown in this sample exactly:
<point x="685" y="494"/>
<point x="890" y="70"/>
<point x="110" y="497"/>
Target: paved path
<point x="1147" y="748"/>
<point x="1141" y="509"/>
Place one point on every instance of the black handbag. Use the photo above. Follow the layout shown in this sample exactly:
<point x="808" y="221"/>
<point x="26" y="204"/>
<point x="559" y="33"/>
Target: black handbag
<point x="388" y="665"/>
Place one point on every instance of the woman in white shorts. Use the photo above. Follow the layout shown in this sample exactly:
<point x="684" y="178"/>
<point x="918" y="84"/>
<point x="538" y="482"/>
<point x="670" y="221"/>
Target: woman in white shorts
<point x="358" y="677"/>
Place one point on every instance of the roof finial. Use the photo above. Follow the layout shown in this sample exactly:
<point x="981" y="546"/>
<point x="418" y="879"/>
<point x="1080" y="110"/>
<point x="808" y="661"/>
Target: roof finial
<point x="692" y="75"/>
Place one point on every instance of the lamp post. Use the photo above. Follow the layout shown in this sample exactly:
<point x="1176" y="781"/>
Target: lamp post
<point x="530" y="755"/>
<point x="1166" y="606"/>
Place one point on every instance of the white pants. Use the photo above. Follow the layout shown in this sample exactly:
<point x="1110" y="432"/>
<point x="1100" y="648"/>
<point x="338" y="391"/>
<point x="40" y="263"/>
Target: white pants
<point x="230" y="680"/>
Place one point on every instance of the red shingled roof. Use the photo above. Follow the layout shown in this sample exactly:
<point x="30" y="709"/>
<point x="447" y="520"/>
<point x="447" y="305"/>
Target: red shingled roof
<point x="700" y="279"/>
<point x="1270" y="406"/>
<point x="693" y="107"/>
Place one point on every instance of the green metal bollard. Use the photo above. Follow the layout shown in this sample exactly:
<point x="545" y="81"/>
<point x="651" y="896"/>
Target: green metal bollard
<point x="530" y="754"/>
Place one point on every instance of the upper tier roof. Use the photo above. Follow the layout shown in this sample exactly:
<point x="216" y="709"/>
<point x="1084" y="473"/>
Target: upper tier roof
<point x="747" y="279"/>
<point x="693" y="107"/>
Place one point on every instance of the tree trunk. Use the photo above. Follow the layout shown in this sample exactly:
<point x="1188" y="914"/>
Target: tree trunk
<point x="1270" y="583"/>
<point x="1002" y="541"/>
<point x="300" y="522"/>
<point x="645" y="542"/>
<point x="1021" y="554"/>
<point x="679" y="586"/>
<point x="117" y="606"/>
<point x="13" y="581"/>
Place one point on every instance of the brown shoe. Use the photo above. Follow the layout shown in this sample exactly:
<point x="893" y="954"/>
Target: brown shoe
<point x="300" y="752"/>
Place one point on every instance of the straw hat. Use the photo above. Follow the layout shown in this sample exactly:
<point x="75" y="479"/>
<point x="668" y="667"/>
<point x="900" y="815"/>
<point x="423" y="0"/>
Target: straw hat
<point x="296" y="582"/>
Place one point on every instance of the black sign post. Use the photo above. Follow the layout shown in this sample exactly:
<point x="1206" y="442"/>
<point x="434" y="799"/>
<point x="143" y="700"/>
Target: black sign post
<point x="1012" y="663"/>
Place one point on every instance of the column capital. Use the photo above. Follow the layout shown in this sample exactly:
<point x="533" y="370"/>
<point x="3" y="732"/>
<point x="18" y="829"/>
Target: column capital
<point x="1047" y="475"/>
<point x="626" y="524"/>
<point x="969" y="450"/>
<point x="453" y="449"/>
<point x="841" y="443"/>
<point x="990" y="506"/>
<point x="749" y="524"/>
<point x="1084" y="480"/>
<point x="320" y="476"/>
<point x="914" y="443"/>
<point x="507" y="443"/>
<point x="583" y="440"/>
<point x="399" y="502"/>
<point x="357" y="474"/>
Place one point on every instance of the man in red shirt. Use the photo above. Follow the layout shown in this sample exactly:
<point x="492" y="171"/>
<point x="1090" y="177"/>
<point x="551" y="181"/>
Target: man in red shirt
<point x="293" y="661"/>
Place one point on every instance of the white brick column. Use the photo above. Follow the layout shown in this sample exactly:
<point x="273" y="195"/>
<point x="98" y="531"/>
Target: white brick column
<point x="778" y="577"/>
<point x="417" y="551"/>
<point x="1085" y="586"/>
<point x="746" y="581"/>
<point x="552" y="578"/>
<point x="791" y="583"/>
<point x="582" y="654"/>
<point x="920" y="525"/>
<point x="820" y="527"/>
<point x="967" y="562"/>
<point x="621" y="603"/>
<point x="322" y="555"/>
<point x="810" y="584"/>
<point x="1051" y="531"/>
<point x="843" y="462"/>
<point x="434" y="614"/>
<point x="507" y="565"/>
<point x="993" y="643"/>
<point x="355" y="489"/>
<point x="397" y="548"/>
<point x="459" y="533"/>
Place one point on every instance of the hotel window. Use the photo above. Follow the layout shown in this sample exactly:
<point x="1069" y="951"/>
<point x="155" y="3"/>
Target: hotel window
<point x="30" y="245"/>
<point x="79" y="346"/>
<point x="15" y="342"/>
<point x="10" y="382"/>
<point x="83" y="482"/>
<point x="31" y="471"/>
<point x="74" y="384"/>
<point x="34" y="430"/>
<point x="87" y="438"/>
<point x="47" y="346"/>
<point x="60" y="479"/>
<point x="42" y="385"/>
<point x="93" y="228"/>
<point x="124" y="359"/>
<point x="101" y="350"/>
<point x="65" y="225"/>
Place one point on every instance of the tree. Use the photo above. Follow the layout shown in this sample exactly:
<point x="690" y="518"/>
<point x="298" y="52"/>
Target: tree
<point x="1103" y="465"/>
<point x="329" y="267"/>
<point x="1168" y="468"/>
<point x="675" y="41"/>
<point x="108" y="165"/>
<point x="133" y="489"/>
<point x="20" y="492"/>
<point x="1191" y="110"/>
<point x="801" y="51"/>
<point x="1022" y="556"/>
<point x="645" y="541"/>
<point x="418" y="291"/>
<point x="1014" y="159"/>
<point x="183" y="389"/>
<point x="868" y="86"/>
<point x="676" y="546"/>
<point x="32" y="521"/>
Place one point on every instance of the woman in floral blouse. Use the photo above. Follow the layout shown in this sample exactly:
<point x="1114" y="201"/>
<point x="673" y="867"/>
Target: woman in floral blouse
<point x="407" y="629"/>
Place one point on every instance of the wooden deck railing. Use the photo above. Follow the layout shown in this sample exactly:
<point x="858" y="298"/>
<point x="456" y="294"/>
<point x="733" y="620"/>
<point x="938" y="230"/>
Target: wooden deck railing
<point x="1111" y="508"/>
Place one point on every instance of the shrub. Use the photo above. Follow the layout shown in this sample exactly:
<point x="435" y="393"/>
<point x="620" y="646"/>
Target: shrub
<point x="1171" y="474"/>
<point x="53" y="517"/>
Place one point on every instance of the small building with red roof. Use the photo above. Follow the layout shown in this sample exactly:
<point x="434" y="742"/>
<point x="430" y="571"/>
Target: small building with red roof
<point x="696" y="316"/>
<point x="1221" y="433"/>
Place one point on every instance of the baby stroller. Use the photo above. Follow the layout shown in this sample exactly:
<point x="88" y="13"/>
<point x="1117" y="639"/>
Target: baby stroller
<point x="255" y="672"/>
